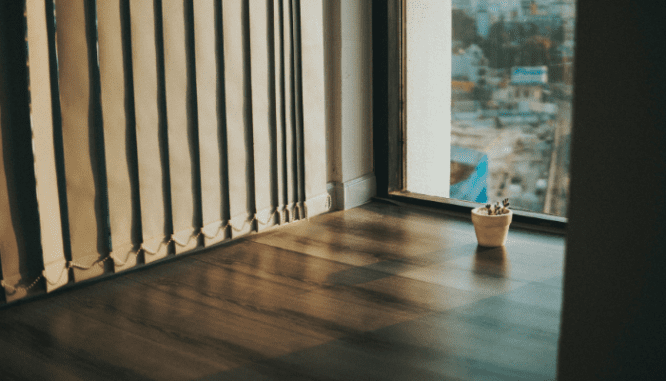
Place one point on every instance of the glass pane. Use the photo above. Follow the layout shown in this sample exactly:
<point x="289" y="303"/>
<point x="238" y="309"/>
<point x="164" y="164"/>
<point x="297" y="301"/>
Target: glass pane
<point x="511" y="92"/>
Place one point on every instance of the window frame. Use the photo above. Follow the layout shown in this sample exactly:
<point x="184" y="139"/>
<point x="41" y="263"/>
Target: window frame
<point x="389" y="122"/>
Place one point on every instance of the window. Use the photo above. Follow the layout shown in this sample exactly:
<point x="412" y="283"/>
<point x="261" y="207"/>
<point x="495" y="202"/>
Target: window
<point x="505" y="67"/>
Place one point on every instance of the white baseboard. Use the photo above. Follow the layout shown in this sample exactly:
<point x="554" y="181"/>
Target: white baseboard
<point x="352" y="193"/>
<point x="319" y="204"/>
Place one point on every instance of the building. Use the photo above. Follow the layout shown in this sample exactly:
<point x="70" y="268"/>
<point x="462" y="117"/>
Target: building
<point x="566" y="10"/>
<point x="528" y="82"/>
<point x="474" y="187"/>
<point x="466" y="66"/>
<point x="467" y="6"/>
<point x="483" y="22"/>
<point x="506" y="9"/>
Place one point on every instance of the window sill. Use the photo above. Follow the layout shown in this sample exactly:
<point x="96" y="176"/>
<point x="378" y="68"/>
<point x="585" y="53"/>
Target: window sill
<point x="522" y="219"/>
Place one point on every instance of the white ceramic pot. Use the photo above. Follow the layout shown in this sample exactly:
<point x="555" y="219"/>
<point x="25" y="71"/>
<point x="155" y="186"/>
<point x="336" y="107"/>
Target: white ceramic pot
<point x="491" y="231"/>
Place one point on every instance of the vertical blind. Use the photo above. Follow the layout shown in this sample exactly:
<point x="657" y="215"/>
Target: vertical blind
<point x="136" y="130"/>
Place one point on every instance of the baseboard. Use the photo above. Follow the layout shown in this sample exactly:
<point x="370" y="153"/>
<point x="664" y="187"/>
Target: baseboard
<point x="319" y="204"/>
<point x="352" y="193"/>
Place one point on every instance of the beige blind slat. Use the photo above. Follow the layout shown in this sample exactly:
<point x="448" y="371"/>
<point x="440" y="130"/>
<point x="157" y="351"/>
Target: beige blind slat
<point x="180" y="124"/>
<point x="56" y="273"/>
<point x="314" y="106"/>
<point x="9" y="245"/>
<point x="117" y="127"/>
<point x="298" y="109"/>
<point x="209" y="98"/>
<point x="280" y="147"/>
<point x="263" y="121"/>
<point x="289" y="110"/>
<point x="86" y="219"/>
<point x="237" y="111"/>
<point x="155" y="227"/>
<point x="16" y="274"/>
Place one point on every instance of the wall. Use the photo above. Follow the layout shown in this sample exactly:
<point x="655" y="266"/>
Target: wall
<point x="614" y="300"/>
<point x="348" y="57"/>
<point x="428" y="97"/>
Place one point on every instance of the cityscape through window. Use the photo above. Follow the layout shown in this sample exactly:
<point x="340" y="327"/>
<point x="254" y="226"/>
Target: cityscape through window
<point x="511" y="95"/>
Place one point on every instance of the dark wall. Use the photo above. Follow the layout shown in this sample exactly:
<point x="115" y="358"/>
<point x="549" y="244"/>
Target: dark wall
<point x="615" y="284"/>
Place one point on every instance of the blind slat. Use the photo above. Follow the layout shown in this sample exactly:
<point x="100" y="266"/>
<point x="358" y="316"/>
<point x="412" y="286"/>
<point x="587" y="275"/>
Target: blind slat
<point x="9" y="245"/>
<point x="289" y="111"/>
<point x="281" y="160"/>
<point x="118" y="134"/>
<point x="298" y="108"/>
<point x="18" y="268"/>
<point x="314" y="106"/>
<point x="263" y="104"/>
<point x="155" y="227"/>
<point x="212" y="153"/>
<point x="238" y="112"/>
<point x="76" y="57"/>
<point x="181" y="127"/>
<point x="43" y="149"/>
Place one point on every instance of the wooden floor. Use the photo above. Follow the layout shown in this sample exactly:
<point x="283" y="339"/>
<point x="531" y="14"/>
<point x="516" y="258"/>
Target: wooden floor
<point x="380" y="292"/>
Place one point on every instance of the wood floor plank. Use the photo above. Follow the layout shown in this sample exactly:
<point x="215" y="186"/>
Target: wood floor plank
<point x="392" y="214"/>
<point x="379" y="227"/>
<point x="239" y="295"/>
<point x="340" y="360"/>
<point x="230" y="333"/>
<point x="369" y="235"/>
<point x="99" y="351"/>
<point x="426" y="348"/>
<point x="426" y="295"/>
<point x="462" y="279"/>
<point x="277" y="263"/>
<point x="479" y="346"/>
<point x="338" y="252"/>
<point x="331" y="307"/>
<point x="350" y="311"/>
<point x="23" y="360"/>
<point x="538" y="296"/>
<point x="515" y="263"/>
<point x="556" y="282"/>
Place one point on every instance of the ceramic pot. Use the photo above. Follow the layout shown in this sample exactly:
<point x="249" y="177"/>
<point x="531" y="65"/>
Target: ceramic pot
<point x="491" y="231"/>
